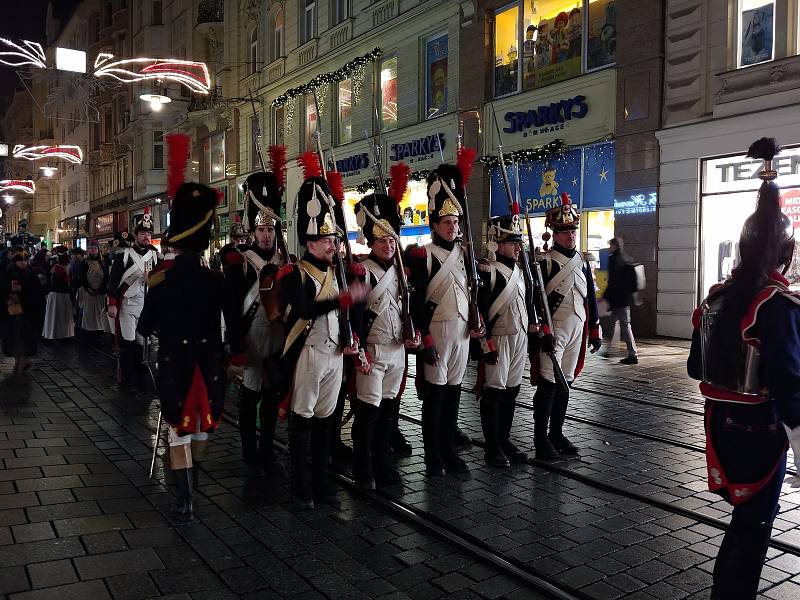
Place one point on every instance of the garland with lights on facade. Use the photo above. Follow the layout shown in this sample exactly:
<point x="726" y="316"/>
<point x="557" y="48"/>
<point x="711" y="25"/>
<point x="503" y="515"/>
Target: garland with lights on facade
<point x="544" y="152"/>
<point x="372" y="184"/>
<point x="353" y="67"/>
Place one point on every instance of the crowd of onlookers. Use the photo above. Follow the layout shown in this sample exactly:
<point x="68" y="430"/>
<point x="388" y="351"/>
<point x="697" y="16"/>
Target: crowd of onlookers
<point x="50" y="293"/>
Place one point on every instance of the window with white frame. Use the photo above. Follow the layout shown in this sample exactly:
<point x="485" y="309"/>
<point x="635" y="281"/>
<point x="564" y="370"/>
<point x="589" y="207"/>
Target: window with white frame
<point x="158" y="149"/>
<point x="388" y="79"/>
<point x="253" y="55"/>
<point x="278" y="121"/>
<point x="340" y="10"/>
<point x="756" y="32"/>
<point x="345" y="111"/>
<point x="311" y="122"/>
<point x="308" y="16"/>
<point x="277" y="35"/>
<point x="436" y="52"/>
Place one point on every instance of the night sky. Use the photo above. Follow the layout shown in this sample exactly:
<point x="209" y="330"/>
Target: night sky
<point x="25" y="19"/>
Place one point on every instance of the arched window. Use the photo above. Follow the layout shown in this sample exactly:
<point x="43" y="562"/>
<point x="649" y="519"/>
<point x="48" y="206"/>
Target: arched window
<point x="277" y="35"/>
<point x="253" y="60"/>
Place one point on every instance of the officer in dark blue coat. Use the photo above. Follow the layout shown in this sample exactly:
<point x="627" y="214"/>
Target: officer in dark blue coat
<point x="746" y="352"/>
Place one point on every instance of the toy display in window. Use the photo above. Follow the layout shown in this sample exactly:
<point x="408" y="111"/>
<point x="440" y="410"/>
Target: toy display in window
<point x="559" y="45"/>
<point x="543" y="45"/>
<point x="574" y="33"/>
<point x="602" y="34"/>
<point x="529" y="56"/>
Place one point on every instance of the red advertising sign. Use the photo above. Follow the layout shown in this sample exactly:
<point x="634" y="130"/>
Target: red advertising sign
<point x="104" y="224"/>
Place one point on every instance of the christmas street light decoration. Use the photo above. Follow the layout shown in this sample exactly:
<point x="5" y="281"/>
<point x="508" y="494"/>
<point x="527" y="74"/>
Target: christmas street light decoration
<point x="14" y="55"/>
<point x="17" y="185"/>
<point x="194" y="75"/>
<point x="71" y="154"/>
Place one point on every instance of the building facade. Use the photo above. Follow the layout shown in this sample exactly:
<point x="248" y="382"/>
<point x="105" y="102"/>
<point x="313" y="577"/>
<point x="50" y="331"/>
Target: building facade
<point x="732" y="75"/>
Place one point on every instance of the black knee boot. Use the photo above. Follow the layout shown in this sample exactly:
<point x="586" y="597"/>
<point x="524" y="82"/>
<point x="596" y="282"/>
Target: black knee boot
<point x="737" y="570"/>
<point x="398" y="442"/>
<point x="268" y="414"/>
<point x="248" y="410"/>
<point x="322" y="488"/>
<point x="435" y="397"/>
<point x="299" y="432"/>
<point x="556" y="435"/>
<point x="340" y="452"/>
<point x="452" y="462"/>
<point x="385" y="473"/>
<point x="508" y="405"/>
<point x="542" y="409"/>
<point x="183" y="510"/>
<point x="140" y="376"/>
<point x="490" y="423"/>
<point x="128" y="363"/>
<point x="363" y="434"/>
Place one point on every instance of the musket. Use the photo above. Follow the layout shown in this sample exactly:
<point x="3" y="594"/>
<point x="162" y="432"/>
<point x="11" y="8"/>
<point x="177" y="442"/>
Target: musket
<point x="345" y="328"/>
<point x="531" y="270"/>
<point x="146" y="361"/>
<point x="280" y="239"/>
<point x="409" y="333"/>
<point x="473" y="282"/>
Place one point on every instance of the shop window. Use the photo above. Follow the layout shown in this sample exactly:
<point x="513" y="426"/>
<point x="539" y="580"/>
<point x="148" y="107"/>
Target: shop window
<point x="158" y="149"/>
<point x="311" y="123"/>
<point x="756" y="32"/>
<point x="602" y="34"/>
<point x="506" y="54"/>
<point x="389" y="94"/>
<point x="436" y="52"/>
<point x="277" y="35"/>
<point x="553" y="41"/>
<point x="345" y="114"/>
<point x="217" y="156"/>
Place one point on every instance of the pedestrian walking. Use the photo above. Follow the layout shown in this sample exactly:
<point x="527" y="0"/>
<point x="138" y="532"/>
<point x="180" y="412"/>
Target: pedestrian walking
<point x="746" y="353"/>
<point x="618" y="296"/>
<point x="92" y="280"/>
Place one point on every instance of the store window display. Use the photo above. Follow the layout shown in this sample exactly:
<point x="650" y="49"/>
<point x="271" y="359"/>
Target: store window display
<point x="389" y="94"/>
<point x="345" y="109"/>
<point x="756" y="32"/>
<point x="311" y="122"/>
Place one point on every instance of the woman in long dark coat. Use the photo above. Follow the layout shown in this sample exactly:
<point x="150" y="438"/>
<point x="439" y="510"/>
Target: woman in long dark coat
<point x="22" y="302"/>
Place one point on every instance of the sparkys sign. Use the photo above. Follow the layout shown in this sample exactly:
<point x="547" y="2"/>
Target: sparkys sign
<point x="351" y="165"/>
<point x="546" y="118"/>
<point x="586" y="174"/>
<point x="417" y="150"/>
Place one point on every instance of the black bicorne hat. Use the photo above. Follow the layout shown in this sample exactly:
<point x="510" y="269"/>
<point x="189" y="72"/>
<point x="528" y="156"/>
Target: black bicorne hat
<point x="191" y="217"/>
<point x="263" y="197"/>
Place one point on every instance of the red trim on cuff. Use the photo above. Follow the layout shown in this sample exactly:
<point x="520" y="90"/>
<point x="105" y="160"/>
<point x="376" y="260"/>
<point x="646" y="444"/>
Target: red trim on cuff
<point x="594" y="333"/>
<point x="112" y="301"/>
<point x="427" y="341"/>
<point x="237" y="360"/>
<point x="490" y="345"/>
<point x="546" y="330"/>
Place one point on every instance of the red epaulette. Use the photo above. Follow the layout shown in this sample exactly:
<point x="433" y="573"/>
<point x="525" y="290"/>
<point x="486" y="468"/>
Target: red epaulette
<point x="233" y="258"/>
<point x="356" y="269"/>
<point x="418" y="252"/>
<point x="284" y="271"/>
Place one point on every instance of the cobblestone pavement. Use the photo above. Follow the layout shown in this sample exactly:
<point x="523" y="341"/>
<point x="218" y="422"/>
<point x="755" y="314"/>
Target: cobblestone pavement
<point x="80" y="519"/>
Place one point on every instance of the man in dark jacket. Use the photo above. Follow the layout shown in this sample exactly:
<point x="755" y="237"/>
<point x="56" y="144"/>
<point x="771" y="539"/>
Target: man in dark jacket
<point x="618" y="295"/>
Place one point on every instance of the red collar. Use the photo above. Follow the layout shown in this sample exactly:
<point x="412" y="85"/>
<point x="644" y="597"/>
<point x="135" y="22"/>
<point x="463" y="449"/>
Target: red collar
<point x="775" y="276"/>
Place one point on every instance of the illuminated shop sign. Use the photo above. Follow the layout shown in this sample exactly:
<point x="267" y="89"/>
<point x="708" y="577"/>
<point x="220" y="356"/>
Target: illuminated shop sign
<point x="351" y="165"/>
<point x="417" y="149"/>
<point x="547" y="117"/>
<point x="638" y="203"/>
<point x="739" y="173"/>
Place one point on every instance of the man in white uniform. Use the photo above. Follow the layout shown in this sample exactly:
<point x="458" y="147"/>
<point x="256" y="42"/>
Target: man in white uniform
<point x="313" y="299"/>
<point x="380" y="330"/>
<point x="127" y="286"/>
<point x="571" y="297"/>
<point x="441" y="312"/>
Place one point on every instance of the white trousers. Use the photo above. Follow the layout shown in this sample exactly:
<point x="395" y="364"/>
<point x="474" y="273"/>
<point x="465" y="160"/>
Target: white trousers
<point x="388" y="364"/>
<point x="512" y="355"/>
<point x="568" y="334"/>
<point x="128" y="317"/>
<point x="318" y="377"/>
<point x="451" y="339"/>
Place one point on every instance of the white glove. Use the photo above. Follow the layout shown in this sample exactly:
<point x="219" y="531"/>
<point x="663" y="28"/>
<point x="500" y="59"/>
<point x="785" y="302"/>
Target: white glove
<point x="794" y="442"/>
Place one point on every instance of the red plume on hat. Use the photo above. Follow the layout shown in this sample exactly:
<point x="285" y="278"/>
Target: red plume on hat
<point x="565" y="199"/>
<point x="464" y="162"/>
<point x="400" y="173"/>
<point x="309" y="162"/>
<point x="336" y="185"/>
<point x="178" y="145"/>
<point x="277" y="159"/>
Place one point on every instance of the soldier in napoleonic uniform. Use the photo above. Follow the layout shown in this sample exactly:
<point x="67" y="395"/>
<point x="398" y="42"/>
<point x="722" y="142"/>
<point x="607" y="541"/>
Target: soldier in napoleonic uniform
<point x="191" y="366"/>
<point x="503" y="303"/>
<point x="313" y="298"/>
<point x="746" y="352"/>
<point x="379" y="326"/>
<point x="255" y="333"/>
<point x="569" y="286"/>
<point x="441" y="312"/>
<point x="127" y="285"/>
<point x="25" y="239"/>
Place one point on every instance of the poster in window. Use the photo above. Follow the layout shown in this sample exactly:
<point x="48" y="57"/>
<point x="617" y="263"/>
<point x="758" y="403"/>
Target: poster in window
<point x="218" y="156"/>
<point x="505" y="51"/>
<point x="757" y="34"/>
<point x="389" y="93"/>
<point x="222" y="196"/>
<point x="602" y="43"/>
<point x="436" y="51"/>
<point x="556" y="50"/>
<point x="311" y="122"/>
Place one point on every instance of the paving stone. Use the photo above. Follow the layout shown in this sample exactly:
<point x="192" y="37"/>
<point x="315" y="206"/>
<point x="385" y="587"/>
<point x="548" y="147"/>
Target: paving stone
<point x="49" y="574"/>
<point x="94" y="524"/>
<point x="31" y="532"/>
<point x="49" y="483"/>
<point x="13" y="579"/>
<point x="41" y="551"/>
<point x="784" y="591"/>
<point x="84" y="590"/>
<point x="118" y="563"/>
<point x="131" y="586"/>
